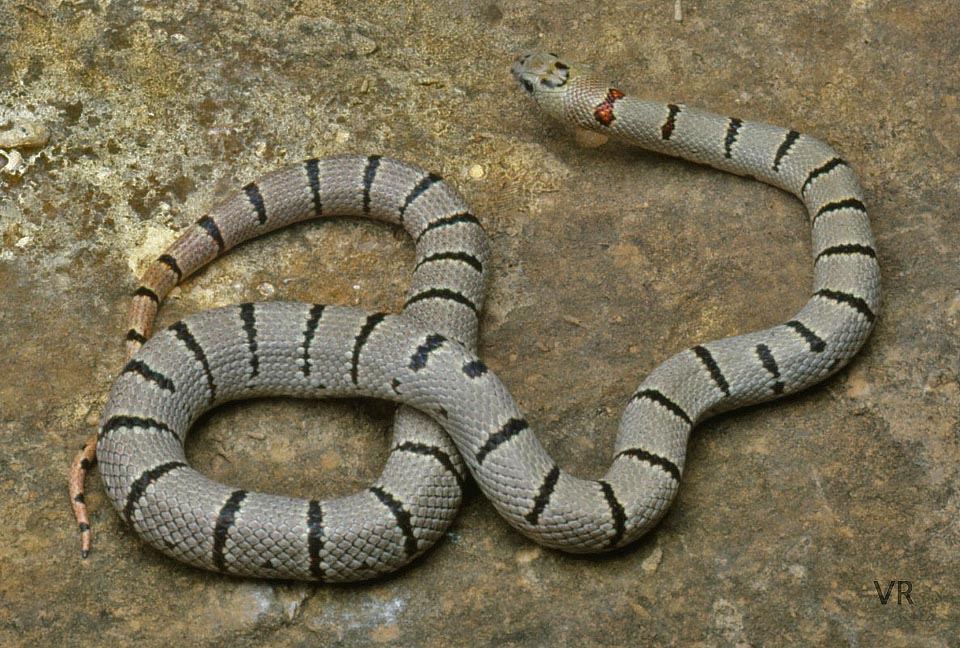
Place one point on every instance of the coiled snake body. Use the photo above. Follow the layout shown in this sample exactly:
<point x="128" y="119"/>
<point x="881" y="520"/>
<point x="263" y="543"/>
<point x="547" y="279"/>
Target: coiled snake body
<point x="424" y="359"/>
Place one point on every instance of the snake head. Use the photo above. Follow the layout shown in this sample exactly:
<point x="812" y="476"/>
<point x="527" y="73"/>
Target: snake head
<point x="540" y="72"/>
<point x="569" y="94"/>
<point x="549" y="80"/>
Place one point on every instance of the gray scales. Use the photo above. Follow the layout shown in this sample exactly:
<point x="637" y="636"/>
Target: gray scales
<point x="424" y="359"/>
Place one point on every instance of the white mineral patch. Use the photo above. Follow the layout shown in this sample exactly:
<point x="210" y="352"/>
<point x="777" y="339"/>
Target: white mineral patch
<point x="22" y="133"/>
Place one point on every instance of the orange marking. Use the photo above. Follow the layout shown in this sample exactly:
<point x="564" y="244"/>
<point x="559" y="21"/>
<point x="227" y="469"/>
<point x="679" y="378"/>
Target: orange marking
<point x="84" y="460"/>
<point x="603" y="113"/>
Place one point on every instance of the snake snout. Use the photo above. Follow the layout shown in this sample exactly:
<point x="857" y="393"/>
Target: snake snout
<point x="523" y="74"/>
<point x="540" y="70"/>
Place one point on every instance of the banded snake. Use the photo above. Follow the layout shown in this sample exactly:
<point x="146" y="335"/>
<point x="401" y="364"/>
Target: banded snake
<point x="456" y="415"/>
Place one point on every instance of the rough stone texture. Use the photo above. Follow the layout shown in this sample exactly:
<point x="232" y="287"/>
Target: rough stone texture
<point x="606" y="262"/>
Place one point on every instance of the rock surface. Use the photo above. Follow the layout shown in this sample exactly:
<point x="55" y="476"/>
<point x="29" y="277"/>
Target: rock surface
<point x="606" y="262"/>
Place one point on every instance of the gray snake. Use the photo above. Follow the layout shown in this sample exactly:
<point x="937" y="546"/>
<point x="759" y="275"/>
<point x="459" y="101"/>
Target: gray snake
<point x="455" y="411"/>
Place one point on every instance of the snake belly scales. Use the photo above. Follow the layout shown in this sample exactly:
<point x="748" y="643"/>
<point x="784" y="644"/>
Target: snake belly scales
<point x="455" y="412"/>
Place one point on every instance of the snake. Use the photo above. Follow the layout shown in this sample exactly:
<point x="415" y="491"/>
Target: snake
<point x="455" y="415"/>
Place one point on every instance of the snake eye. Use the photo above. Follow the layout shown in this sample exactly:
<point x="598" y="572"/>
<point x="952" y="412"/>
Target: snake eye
<point x="526" y="83"/>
